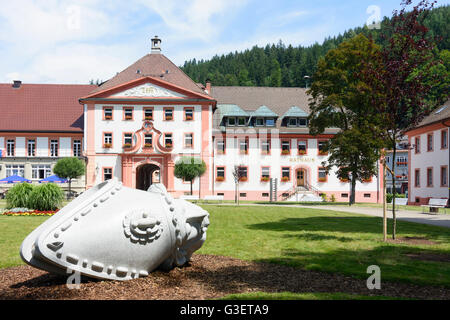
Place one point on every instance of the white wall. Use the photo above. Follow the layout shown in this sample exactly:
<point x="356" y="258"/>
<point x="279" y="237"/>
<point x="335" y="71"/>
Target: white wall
<point x="177" y="127"/>
<point x="425" y="159"/>
<point x="255" y="160"/>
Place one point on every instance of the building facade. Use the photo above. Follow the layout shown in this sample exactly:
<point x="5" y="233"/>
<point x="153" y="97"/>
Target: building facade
<point x="137" y="125"/>
<point x="399" y="166"/>
<point x="429" y="157"/>
<point x="39" y="125"/>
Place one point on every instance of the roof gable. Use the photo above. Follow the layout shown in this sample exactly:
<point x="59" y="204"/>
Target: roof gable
<point x="295" y="111"/>
<point x="146" y="88"/>
<point x="263" y="111"/>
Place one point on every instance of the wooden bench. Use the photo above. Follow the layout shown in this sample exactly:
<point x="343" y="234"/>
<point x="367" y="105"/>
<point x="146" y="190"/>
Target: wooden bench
<point x="434" y="205"/>
<point x="213" y="198"/>
<point x="188" y="197"/>
<point x="401" y="201"/>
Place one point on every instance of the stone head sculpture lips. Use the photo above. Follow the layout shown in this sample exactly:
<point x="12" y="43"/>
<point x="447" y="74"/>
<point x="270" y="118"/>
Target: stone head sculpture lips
<point x="118" y="233"/>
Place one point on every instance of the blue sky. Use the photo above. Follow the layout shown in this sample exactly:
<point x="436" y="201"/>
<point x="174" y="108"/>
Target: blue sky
<point x="73" y="41"/>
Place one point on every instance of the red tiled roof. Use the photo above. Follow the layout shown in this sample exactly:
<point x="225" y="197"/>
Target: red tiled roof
<point x="42" y="107"/>
<point x="154" y="65"/>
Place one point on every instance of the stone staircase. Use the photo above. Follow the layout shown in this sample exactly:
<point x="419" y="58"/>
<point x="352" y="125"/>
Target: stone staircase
<point x="302" y="194"/>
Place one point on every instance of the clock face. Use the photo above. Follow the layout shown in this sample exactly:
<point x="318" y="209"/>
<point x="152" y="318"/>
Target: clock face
<point x="148" y="126"/>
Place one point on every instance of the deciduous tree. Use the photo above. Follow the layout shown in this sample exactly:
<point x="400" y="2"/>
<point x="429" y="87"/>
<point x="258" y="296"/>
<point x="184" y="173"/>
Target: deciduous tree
<point x="189" y="168"/>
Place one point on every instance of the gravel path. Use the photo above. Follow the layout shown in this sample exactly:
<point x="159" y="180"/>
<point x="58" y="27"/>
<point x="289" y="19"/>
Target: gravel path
<point x="206" y="277"/>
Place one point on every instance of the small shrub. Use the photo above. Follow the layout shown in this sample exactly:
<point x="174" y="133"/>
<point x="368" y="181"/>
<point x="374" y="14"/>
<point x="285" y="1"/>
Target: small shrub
<point x="324" y="197"/>
<point x="333" y="198"/>
<point x="18" y="195"/>
<point x="46" y="197"/>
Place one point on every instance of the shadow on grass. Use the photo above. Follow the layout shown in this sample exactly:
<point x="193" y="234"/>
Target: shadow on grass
<point x="310" y="236"/>
<point x="352" y="224"/>
<point x="397" y="263"/>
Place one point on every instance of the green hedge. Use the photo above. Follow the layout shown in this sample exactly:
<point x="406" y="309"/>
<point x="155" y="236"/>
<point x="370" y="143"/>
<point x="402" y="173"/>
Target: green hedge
<point x="389" y="196"/>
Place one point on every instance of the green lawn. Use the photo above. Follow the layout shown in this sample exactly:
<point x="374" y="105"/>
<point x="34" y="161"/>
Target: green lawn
<point x="13" y="231"/>
<point x="303" y="296"/>
<point x="322" y="240"/>
<point x="313" y="239"/>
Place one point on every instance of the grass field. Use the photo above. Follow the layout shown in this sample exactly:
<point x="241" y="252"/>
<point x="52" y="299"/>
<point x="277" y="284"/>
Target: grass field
<point x="326" y="241"/>
<point x="303" y="296"/>
<point x="311" y="239"/>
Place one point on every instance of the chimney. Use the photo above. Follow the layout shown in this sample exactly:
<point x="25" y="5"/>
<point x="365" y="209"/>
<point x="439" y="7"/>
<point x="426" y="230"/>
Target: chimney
<point x="156" y="45"/>
<point x="208" y="86"/>
<point x="17" y="84"/>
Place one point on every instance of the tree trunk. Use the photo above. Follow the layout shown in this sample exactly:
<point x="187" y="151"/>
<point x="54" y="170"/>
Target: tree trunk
<point x="394" y="192"/>
<point x="384" y="202"/>
<point x="70" y="194"/>
<point x="191" y="187"/>
<point x="353" y="191"/>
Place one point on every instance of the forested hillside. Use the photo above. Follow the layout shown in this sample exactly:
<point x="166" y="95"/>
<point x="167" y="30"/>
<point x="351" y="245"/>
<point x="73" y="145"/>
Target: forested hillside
<point x="286" y="66"/>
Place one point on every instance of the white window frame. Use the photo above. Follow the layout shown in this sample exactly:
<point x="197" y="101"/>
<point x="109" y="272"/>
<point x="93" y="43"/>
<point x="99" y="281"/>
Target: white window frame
<point x="31" y="148"/>
<point x="36" y="169"/>
<point x="292" y="119"/>
<point x="15" y="169"/>
<point x="54" y="145"/>
<point x="77" y="148"/>
<point x="268" y="124"/>
<point x="10" y="147"/>
<point x="228" y="121"/>
<point x="262" y="122"/>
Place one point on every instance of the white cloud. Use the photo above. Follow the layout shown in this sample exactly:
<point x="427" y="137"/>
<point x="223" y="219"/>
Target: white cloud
<point x="195" y="19"/>
<point x="75" y="63"/>
<point x="36" y="24"/>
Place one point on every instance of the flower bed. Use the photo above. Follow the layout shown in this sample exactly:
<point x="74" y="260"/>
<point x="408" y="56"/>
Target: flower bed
<point x="29" y="213"/>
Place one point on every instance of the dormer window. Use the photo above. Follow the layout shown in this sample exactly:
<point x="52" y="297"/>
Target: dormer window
<point x="270" y="122"/>
<point x="302" y="122"/>
<point x="292" y="122"/>
<point x="241" y="121"/>
<point x="231" y="121"/>
<point x="259" y="122"/>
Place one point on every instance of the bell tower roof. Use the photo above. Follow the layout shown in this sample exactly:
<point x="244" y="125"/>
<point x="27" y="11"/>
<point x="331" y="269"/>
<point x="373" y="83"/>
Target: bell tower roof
<point x="156" y="45"/>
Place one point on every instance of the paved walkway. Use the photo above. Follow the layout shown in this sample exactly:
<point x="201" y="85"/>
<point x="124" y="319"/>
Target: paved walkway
<point x="442" y="220"/>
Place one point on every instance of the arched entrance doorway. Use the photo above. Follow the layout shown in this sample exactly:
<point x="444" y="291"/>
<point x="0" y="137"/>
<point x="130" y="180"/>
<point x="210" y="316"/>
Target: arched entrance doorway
<point x="301" y="177"/>
<point x="146" y="175"/>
